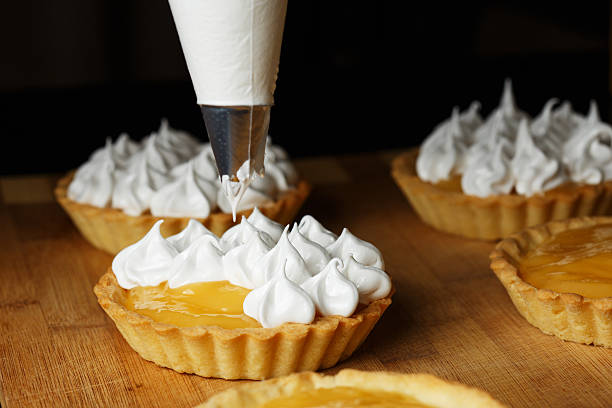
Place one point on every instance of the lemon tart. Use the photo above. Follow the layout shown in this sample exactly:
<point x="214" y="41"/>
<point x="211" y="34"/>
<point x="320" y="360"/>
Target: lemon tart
<point x="559" y="277"/>
<point x="258" y="302"/>
<point x="353" y="388"/>
<point x="488" y="179"/>
<point x="116" y="196"/>
<point x="111" y="230"/>
<point x="444" y="206"/>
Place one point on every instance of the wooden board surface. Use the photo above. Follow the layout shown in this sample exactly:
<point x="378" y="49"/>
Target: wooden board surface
<point x="450" y="316"/>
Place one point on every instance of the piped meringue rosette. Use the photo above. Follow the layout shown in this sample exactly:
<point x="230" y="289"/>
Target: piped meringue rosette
<point x="490" y="178"/>
<point x="125" y="187"/>
<point x="315" y="295"/>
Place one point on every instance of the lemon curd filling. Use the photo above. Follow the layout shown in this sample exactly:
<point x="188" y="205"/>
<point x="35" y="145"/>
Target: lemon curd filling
<point x="196" y="304"/>
<point x="573" y="261"/>
<point x="345" y="397"/>
<point x="453" y="184"/>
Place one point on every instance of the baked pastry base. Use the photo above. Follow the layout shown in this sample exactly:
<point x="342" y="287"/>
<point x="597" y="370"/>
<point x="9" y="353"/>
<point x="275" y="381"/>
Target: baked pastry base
<point x="111" y="230"/>
<point x="497" y="216"/>
<point x="251" y="353"/>
<point x="426" y="388"/>
<point x="568" y="316"/>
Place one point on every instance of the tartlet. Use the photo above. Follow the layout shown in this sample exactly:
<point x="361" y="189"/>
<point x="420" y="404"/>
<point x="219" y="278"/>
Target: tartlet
<point x="569" y="316"/>
<point x="249" y="353"/>
<point x="111" y="230"/>
<point x="495" y="216"/>
<point x="421" y="389"/>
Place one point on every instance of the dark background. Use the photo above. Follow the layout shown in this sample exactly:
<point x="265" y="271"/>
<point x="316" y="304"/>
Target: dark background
<point x="354" y="76"/>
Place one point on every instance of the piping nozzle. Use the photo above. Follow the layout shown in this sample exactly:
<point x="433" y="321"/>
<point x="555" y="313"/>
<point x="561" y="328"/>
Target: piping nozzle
<point x="237" y="135"/>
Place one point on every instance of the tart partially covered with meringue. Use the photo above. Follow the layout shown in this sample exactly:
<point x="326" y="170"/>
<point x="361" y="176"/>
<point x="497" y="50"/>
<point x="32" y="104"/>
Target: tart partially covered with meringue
<point x="125" y="187"/>
<point x="260" y="301"/>
<point x="490" y="178"/>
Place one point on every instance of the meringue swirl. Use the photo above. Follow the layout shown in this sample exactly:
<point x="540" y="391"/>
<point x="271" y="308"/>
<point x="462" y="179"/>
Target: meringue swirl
<point x="444" y="152"/>
<point x="534" y="170"/>
<point x="588" y="153"/>
<point x="292" y="277"/>
<point x="170" y="174"/>
<point x="512" y="153"/>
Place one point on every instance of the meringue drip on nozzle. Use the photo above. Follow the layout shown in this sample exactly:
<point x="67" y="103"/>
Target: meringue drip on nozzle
<point x="234" y="188"/>
<point x="238" y="140"/>
<point x="232" y="49"/>
<point x="237" y="134"/>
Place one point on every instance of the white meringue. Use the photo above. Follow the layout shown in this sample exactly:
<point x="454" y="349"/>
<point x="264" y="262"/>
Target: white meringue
<point x="203" y="165"/>
<point x="263" y="223"/>
<point x="120" y="151"/>
<point x="189" y="234"/>
<point x="314" y="231"/>
<point x="200" y="262"/>
<point x="557" y="146"/>
<point x="279" y="301"/>
<point x="94" y="182"/>
<point x="274" y="270"/>
<point x="504" y="120"/>
<point x="124" y="147"/>
<point x="348" y="245"/>
<point x="145" y="263"/>
<point x="187" y="196"/>
<point x="534" y="170"/>
<point x="283" y="253"/>
<point x="134" y="190"/>
<point x="131" y="194"/>
<point x="491" y="174"/>
<point x="444" y="151"/>
<point x="135" y="177"/>
<point x="242" y="233"/>
<point x="159" y="156"/>
<point x="566" y="120"/>
<point x="240" y="261"/>
<point x="331" y="292"/>
<point x="173" y="140"/>
<point x="588" y="153"/>
<point x="372" y="283"/>
<point x="251" y="198"/>
<point x="314" y="255"/>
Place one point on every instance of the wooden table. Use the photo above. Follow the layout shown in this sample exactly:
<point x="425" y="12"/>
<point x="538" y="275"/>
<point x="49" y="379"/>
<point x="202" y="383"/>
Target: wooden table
<point x="450" y="316"/>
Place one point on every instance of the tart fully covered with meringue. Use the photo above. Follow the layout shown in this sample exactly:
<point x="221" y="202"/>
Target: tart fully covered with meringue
<point x="354" y="389"/>
<point x="124" y="188"/>
<point x="488" y="179"/>
<point x="559" y="277"/>
<point x="261" y="301"/>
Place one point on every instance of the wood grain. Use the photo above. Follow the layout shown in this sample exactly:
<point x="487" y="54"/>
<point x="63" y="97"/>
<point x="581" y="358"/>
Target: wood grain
<point x="450" y="316"/>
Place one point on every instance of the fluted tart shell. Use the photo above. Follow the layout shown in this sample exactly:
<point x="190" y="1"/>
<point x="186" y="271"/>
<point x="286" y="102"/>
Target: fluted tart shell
<point x="111" y="230"/>
<point x="425" y="388"/>
<point x="249" y="353"/>
<point x="496" y="216"/>
<point x="568" y="316"/>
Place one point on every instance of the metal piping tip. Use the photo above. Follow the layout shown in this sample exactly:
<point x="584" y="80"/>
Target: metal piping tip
<point x="237" y="134"/>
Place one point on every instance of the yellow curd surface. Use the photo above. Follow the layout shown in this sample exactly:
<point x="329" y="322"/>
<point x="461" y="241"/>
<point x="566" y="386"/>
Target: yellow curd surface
<point x="196" y="304"/>
<point x="345" y="397"/>
<point x="453" y="184"/>
<point x="573" y="261"/>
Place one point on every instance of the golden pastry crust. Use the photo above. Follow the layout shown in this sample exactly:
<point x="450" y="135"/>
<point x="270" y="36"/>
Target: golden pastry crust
<point x="568" y="316"/>
<point x="426" y="388"/>
<point x="250" y="353"/>
<point x="111" y="230"/>
<point x="496" y="216"/>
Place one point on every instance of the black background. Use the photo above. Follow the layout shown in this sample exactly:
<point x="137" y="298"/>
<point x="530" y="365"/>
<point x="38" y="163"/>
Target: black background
<point x="354" y="76"/>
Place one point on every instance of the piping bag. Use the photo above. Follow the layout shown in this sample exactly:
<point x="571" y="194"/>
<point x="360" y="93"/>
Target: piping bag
<point x="232" y="49"/>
